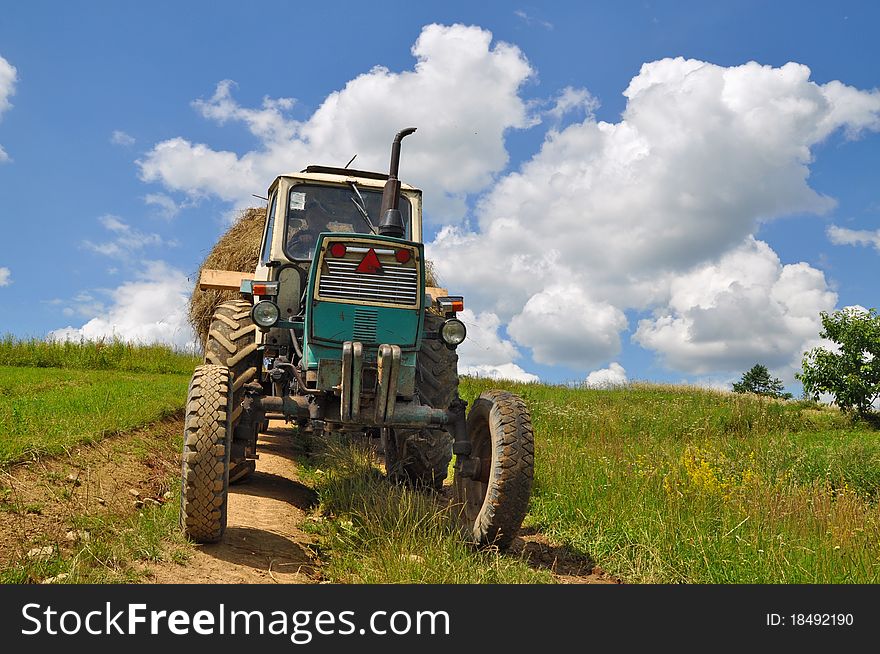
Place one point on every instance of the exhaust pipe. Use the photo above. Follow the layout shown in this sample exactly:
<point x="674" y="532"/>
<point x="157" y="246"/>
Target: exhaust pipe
<point x="391" y="222"/>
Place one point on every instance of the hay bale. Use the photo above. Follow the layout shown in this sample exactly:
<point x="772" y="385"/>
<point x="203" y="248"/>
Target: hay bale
<point x="239" y="250"/>
<point x="431" y="278"/>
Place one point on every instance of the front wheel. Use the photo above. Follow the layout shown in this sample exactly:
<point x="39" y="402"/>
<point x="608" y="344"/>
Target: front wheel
<point x="207" y="441"/>
<point x="494" y="498"/>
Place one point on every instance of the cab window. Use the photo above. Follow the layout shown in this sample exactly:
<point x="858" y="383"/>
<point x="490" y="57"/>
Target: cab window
<point x="270" y="226"/>
<point x="312" y="209"/>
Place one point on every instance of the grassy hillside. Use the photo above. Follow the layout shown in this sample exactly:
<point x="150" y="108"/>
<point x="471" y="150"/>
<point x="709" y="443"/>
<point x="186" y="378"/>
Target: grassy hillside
<point x="101" y="355"/>
<point x="674" y="484"/>
<point x="57" y="395"/>
<point x="657" y="484"/>
<point x="47" y="411"/>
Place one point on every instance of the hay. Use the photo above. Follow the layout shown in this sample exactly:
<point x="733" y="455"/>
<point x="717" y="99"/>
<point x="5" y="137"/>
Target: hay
<point x="239" y="250"/>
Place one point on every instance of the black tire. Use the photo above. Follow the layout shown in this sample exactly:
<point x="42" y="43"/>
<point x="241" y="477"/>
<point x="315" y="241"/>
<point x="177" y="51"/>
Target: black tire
<point x="207" y="440"/>
<point x="232" y="343"/>
<point x="494" y="504"/>
<point x="422" y="456"/>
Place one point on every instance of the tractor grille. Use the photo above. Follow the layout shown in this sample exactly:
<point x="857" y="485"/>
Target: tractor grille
<point x="396" y="285"/>
<point x="365" y="325"/>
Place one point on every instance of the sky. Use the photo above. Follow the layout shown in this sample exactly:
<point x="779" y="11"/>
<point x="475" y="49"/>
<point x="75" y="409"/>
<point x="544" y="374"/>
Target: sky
<point x="622" y="191"/>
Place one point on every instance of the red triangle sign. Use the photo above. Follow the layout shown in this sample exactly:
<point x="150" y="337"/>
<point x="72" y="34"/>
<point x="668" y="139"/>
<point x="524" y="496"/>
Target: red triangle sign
<point x="370" y="263"/>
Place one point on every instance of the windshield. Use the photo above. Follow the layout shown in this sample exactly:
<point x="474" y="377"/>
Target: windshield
<point x="312" y="209"/>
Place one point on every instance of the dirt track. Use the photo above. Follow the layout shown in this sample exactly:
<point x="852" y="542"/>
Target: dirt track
<point x="263" y="542"/>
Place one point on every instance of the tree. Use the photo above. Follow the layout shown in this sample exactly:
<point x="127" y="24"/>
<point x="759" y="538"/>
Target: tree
<point x="758" y="380"/>
<point x="850" y="372"/>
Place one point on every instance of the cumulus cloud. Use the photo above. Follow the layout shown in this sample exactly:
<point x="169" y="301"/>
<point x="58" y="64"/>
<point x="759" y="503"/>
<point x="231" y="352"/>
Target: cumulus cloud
<point x="462" y="94"/>
<point x="483" y="344"/>
<point x="843" y="236"/>
<point x="573" y="100"/>
<point x="126" y="241"/>
<point x="745" y="308"/>
<point x="628" y="212"/>
<point x="509" y="371"/>
<point x="8" y="77"/>
<point x="121" y="138"/>
<point x="151" y="309"/>
<point x="561" y="324"/>
<point x="610" y="377"/>
<point x="5" y="276"/>
<point x="485" y="353"/>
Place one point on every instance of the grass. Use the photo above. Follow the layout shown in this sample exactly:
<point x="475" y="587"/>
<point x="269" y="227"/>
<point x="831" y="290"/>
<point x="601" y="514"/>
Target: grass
<point x="111" y="552"/>
<point x="54" y="396"/>
<point x="665" y="484"/>
<point x="110" y="548"/>
<point x="99" y="355"/>
<point x="48" y="410"/>
<point x="656" y="484"/>
<point x="376" y="532"/>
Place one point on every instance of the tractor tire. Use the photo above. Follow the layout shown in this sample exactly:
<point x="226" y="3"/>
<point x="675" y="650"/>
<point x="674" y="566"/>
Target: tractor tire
<point x="207" y="440"/>
<point x="494" y="503"/>
<point x="422" y="456"/>
<point x="232" y="343"/>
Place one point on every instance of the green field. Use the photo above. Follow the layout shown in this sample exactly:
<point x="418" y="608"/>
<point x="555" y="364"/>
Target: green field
<point x="656" y="484"/>
<point x="49" y="410"/>
<point x="665" y="484"/>
<point x="91" y="355"/>
<point x="56" y="395"/>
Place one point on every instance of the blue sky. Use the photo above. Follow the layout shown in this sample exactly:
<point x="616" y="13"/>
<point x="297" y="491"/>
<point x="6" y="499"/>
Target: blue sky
<point x="680" y="233"/>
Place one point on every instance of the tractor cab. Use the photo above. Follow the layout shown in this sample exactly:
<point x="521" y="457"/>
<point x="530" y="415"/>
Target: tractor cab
<point x="336" y="200"/>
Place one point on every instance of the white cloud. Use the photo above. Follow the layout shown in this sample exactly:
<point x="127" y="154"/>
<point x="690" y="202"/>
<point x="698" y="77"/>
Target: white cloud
<point x="530" y="20"/>
<point x="462" y="94"/>
<point x="268" y="122"/>
<point x="610" y="377"/>
<point x="573" y="100"/>
<point x="5" y="276"/>
<point x="561" y="324"/>
<point x="747" y="308"/>
<point x="165" y="204"/>
<point x="485" y="353"/>
<point x="121" y="138"/>
<point x="701" y="156"/>
<point x="843" y="236"/>
<point x="483" y="344"/>
<point x="127" y="239"/>
<point x="504" y="371"/>
<point x="8" y="77"/>
<point x="151" y="309"/>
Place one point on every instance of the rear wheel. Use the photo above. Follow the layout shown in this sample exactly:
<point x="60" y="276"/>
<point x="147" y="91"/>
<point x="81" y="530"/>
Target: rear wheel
<point x="207" y="439"/>
<point x="495" y="500"/>
<point x="232" y="343"/>
<point x="422" y="456"/>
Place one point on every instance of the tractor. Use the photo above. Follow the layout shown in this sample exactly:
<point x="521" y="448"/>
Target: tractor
<point x="336" y="331"/>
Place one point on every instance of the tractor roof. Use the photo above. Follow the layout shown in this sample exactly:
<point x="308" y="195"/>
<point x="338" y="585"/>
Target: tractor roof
<point x="330" y="174"/>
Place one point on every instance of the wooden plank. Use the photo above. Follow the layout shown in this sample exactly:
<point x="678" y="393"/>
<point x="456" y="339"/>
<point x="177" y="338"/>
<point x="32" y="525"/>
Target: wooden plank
<point x="222" y="280"/>
<point x="434" y="292"/>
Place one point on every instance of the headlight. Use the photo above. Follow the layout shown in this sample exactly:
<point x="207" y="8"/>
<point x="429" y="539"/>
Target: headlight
<point x="265" y="314"/>
<point x="453" y="332"/>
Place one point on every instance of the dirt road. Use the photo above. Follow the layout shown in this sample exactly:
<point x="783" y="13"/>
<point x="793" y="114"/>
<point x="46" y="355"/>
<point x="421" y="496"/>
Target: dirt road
<point x="263" y="542"/>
